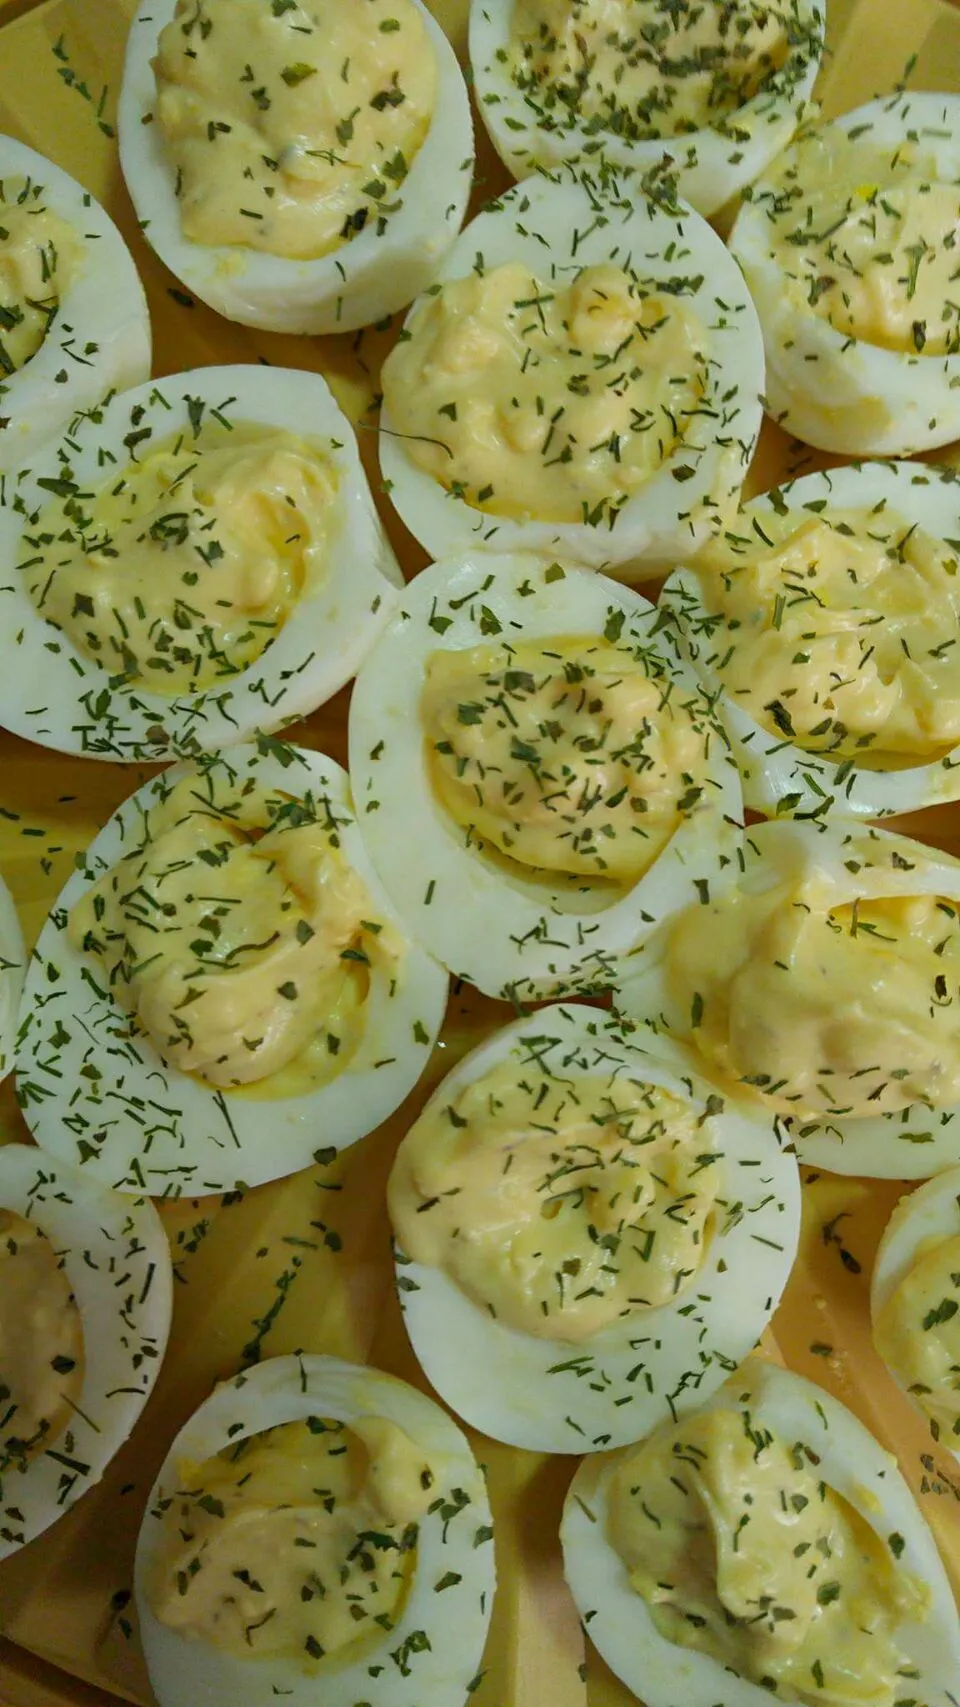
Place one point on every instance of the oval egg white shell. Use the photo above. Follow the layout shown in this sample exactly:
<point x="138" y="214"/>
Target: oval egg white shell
<point x="319" y="648"/>
<point x="360" y="282"/>
<point x="711" y="165"/>
<point x="556" y="227"/>
<point x="103" y="306"/>
<point x="136" y="1123"/>
<point x="773" y="769"/>
<point x="13" y="960"/>
<point x="497" y="929"/>
<point x="930" y="1212"/>
<point x="618" y="1620"/>
<point x="826" y="388"/>
<point x="288" y="1389"/>
<point x="552" y="1395"/>
<point x="117" y="1260"/>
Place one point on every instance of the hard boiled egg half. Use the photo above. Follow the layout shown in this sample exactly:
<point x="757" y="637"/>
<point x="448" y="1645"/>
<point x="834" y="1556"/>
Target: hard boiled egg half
<point x="73" y="317"/>
<point x="588" y="1239"/>
<point x="223" y="989"/>
<point x="822" y="986"/>
<point x="12" y="964"/>
<point x="824" y="623"/>
<point x="712" y="93"/>
<point x="539" y="778"/>
<point x="320" y="1532"/>
<point x="848" y="246"/>
<point x="300" y="166"/>
<point x="85" y="1299"/>
<point x="766" y="1547"/>
<point x="583" y="380"/>
<point x="197" y="560"/>
<point x="915" y="1302"/>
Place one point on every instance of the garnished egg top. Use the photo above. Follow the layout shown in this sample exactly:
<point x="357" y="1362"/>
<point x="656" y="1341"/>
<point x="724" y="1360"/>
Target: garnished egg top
<point x="38" y="251"/>
<point x="41" y="1342"/>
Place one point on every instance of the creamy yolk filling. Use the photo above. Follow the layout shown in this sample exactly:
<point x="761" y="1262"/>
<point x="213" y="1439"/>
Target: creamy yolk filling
<point x="645" y="68"/>
<point x="299" y="1542"/>
<point x="41" y="1343"/>
<point x="742" y="1552"/>
<point x="918" y="1333"/>
<point x="546" y="401"/>
<point x="239" y="938"/>
<point x="868" y="238"/>
<point x="559" y="1208"/>
<point x="184" y="568"/>
<point x="566" y="755"/>
<point x="37" y="252"/>
<point x="851" y="1010"/>
<point x="291" y="126"/>
<point x="839" y="633"/>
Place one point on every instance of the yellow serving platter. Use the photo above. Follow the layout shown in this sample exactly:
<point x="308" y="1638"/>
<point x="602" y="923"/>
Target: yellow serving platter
<point x="304" y="1264"/>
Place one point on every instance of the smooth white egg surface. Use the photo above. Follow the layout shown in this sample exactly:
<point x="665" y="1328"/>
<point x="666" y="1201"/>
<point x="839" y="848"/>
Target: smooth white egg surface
<point x="108" y="1269"/>
<point x="588" y="1239"/>
<point x="583" y="380"/>
<point x="426" y="1650"/>
<point x="712" y="94"/>
<point x="197" y="560"/>
<point x="915" y="1302"/>
<point x="763" y="1414"/>
<point x="821" y="986"/>
<point x="847" y="246"/>
<point x="223" y="991"/>
<point x="538" y="777"/>
<point x="12" y="966"/>
<point x="824" y="623"/>
<point x="73" y="317"/>
<point x="271" y="172"/>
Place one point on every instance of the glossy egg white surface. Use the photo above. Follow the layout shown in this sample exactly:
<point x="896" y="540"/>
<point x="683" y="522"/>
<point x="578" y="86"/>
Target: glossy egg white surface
<point x="12" y="967"/>
<point x="932" y="1212"/>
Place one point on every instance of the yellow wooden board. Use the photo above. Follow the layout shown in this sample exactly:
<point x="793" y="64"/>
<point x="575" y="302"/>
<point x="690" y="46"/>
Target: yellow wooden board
<point x="304" y="1264"/>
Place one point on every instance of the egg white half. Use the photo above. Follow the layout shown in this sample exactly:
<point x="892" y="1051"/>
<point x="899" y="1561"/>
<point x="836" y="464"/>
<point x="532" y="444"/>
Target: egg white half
<point x="557" y="226"/>
<point x="451" y="1595"/>
<point x="117" y="1260"/>
<point x="104" y="1099"/>
<point x="12" y="966"/>
<point x="362" y="281"/>
<point x="851" y="1461"/>
<point x="930" y="1212"/>
<point x="99" y="340"/>
<point x="57" y="696"/>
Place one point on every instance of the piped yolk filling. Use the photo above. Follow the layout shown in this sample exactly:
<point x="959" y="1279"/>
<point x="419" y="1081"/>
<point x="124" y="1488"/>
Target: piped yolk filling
<point x="37" y="252"/>
<point x="918" y="1333"/>
<point x="41" y="1343"/>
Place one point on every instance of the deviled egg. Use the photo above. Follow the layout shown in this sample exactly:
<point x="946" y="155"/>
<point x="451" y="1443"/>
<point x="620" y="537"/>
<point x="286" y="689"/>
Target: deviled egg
<point x="765" y="1548"/>
<point x="318" y="1531"/>
<point x="588" y="1239"/>
<point x="302" y="167"/>
<point x="822" y="987"/>
<point x="73" y="317"/>
<point x="712" y="92"/>
<point x="539" y="779"/>
<point x="85" y="1299"/>
<point x="824" y="623"/>
<point x="197" y="560"/>
<point x="12" y="965"/>
<point x="848" y="246"/>
<point x="915" y="1302"/>
<point x="583" y="380"/>
<point x="223" y="988"/>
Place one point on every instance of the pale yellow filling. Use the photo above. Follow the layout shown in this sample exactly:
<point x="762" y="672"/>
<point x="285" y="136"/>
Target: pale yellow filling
<point x="546" y="401"/>
<point x="41" y="1342"/>
<point x="559" y="1207"/>
<point x="291" y="127"/>
<point x="37" y="254"/>
<point x="918" y="1333"/>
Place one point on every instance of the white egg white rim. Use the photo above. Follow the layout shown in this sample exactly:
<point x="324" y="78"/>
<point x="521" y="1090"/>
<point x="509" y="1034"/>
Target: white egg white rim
<point x="508" y="932"/>
<point x="100" y="337"/>
<point x="778" y="775"/>
<point x="369" y="277"/>
<point x="315" y="653"/>
<point x="550" y="1395"/>
<point x="117" y="1260"/>
<point x="921" y="412"/>
<point x="617" y="1618"/>
<point x="557" y="226"/>
<point x="12" y="967"/>
<point x="913" y="1143"/>
<point x="454" y="1542"/>
<point x="141" y="1125"/>
<point x="932" y="1211"/>
<point x="711" y="165"/>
